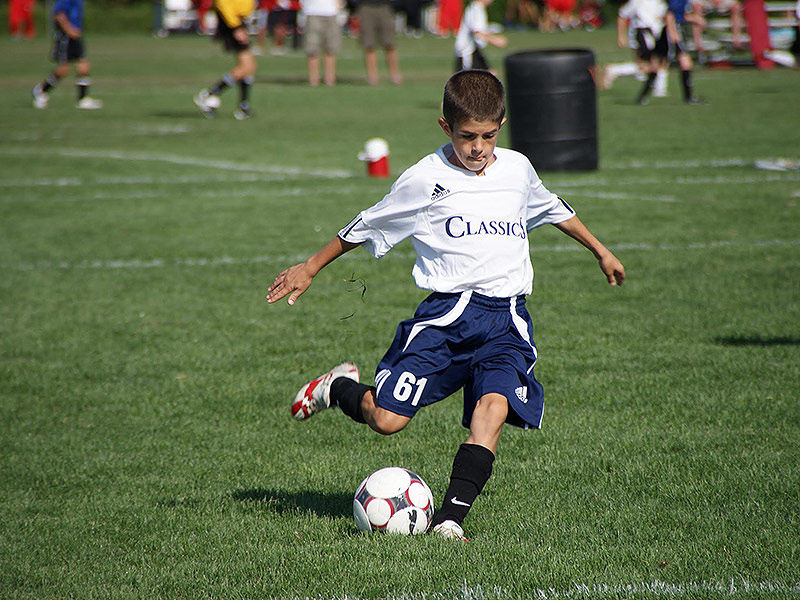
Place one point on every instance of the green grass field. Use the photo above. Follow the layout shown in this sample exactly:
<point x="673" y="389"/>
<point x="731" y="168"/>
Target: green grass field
<point x="147" y="449"/>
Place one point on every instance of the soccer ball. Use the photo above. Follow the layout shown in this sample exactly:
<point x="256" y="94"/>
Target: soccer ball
<point x="393" y="499"/>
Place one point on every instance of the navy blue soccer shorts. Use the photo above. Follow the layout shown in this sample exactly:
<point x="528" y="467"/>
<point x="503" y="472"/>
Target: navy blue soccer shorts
<point x="463" y="340"/>
<point x="67" y="49"/>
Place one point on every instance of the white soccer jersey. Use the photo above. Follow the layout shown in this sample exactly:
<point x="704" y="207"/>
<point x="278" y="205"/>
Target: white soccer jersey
<point x="474" y="21"/>
<point x="470" y="232"/>
<point x="645" y="14"/>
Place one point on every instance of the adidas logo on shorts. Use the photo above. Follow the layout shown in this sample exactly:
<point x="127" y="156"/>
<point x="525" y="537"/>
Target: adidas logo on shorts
<point x="439" y="192"/>
<point x="522" y="394"/>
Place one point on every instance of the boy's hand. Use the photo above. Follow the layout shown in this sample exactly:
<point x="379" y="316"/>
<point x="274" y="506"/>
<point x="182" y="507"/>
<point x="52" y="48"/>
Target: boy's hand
<point x="295" y="280"/>
<point x="241" y="35"/>
<point x="292" y="282"/>
<point x="613" y="269"/>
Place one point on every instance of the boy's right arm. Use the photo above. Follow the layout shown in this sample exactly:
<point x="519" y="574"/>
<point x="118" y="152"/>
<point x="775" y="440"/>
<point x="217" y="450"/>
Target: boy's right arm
<point x="297" y="279"/>
<point x="63" y="21"/>
<point x="493" y="38"/>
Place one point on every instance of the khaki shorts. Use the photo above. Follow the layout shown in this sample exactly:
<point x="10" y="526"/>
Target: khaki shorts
<point x="323" y="34"/>
<point x="377" y="25"/>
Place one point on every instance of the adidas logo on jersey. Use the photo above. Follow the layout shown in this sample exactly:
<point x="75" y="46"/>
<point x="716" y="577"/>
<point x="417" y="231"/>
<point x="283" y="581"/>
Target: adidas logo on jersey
<point x="522" y="394"/>
<point x="439" y="192"/>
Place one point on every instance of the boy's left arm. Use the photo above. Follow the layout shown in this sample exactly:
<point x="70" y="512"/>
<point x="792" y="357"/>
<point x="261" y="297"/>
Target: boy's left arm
<point x="609" y="264"/>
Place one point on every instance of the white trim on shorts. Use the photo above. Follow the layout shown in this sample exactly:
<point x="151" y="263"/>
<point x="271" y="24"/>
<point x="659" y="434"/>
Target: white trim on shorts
<point x="448" y="318"/>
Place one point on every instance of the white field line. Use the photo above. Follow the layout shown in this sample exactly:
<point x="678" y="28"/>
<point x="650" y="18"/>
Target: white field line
<point x="645" y="589"/>
<point x="148" y="130"/>
<point x="234" y="193"/>
<point x="288" y="173"/>
<point x="181" y="160"/>
<point x="140" y="180"/>
<point x="622" y="196"/>
<point x="288" y="259"/>
<point x="260" y="192"/>
<point x="766" y="177"/>
<point x="687" y="164"/>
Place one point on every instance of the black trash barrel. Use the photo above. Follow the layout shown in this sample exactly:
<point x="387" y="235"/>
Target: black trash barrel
<point x="552" y="108"/>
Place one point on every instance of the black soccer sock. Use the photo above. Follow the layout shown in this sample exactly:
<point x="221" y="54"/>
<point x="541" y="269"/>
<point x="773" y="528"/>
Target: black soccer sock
<point x="686" y="79"/>
<point x="82" y="86"/>
<point x="472" y="468"/>
<point x="49" y="83"/>
<point x="244" y="90"/>
<point x="222" y="84"/>
<point x="648" y="86"/>
<point x="347" y="394"/>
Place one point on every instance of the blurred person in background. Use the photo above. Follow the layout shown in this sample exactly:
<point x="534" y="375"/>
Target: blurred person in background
<point x="232" y="32"/>
<point x="591" y="16"/>
<point x="376" y="28"/>
<point x="521" y="13"/>
<point x="281" y="22"/>
<point x="473" y="35"/>
<point x="681" y="13"/>
<point x="323" y="35"/>
<point x="731" y="8"/>
<point x="450" y="16"/>
<point x="20" y="15"/>
<point x="606" y="75"/>
<point x="413" y="12"/>
<point x="68" y="47"/>
<point x="203" y="6"/>
<point x="652" y="42"/>
<point x="560" y="14"/>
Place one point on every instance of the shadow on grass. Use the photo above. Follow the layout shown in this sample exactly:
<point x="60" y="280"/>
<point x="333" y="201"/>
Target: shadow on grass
<point x="757" y="340"/>
<point x="324" y="504"/>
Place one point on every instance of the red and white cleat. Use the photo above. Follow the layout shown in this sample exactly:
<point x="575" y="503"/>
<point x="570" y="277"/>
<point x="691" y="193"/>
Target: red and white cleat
<point x="316" y="394"/>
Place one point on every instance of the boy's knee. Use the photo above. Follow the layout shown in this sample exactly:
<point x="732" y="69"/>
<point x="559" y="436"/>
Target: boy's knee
<point x="493" y="404"/>
<point x="386" y="422"/>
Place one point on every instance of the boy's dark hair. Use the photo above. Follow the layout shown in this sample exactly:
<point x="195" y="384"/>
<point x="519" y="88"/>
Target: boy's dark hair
<point x="473" y="94"/>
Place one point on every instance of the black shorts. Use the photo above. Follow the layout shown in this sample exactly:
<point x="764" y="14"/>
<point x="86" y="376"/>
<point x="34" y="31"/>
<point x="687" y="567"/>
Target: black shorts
<point x="649" y="46"/>
<point x="66" y="49"/>
<point x="475" y="61"/>
<point x="225" y="35"/>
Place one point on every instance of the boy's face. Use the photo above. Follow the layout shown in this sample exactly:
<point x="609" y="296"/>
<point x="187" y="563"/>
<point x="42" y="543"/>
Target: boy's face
<point x="473" y="143"/>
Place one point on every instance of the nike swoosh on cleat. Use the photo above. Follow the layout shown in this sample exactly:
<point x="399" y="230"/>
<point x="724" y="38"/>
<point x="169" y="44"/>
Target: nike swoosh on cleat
<point x="455" y="500"/>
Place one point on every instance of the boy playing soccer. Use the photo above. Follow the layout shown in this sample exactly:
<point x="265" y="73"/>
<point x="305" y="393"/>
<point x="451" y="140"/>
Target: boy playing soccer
<point x="473" y="35"/>
<point x="68" y="47"/>
<point x="232" y="32"/>
<point x="467" y="208"/>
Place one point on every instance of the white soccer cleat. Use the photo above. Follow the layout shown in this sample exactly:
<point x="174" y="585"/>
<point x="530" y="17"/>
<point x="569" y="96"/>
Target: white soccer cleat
<point x="208" y="103"/>
<point x="242" y="113"/>
<point x="316" y="394"/>
<point x="450" y="530"/>
<point x="89" y="103"/>
<point x="40" y="98"/>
